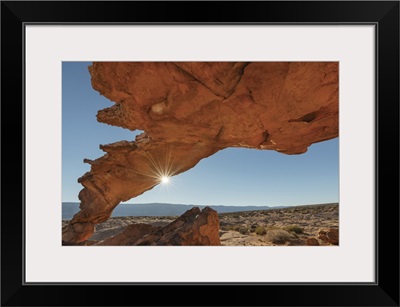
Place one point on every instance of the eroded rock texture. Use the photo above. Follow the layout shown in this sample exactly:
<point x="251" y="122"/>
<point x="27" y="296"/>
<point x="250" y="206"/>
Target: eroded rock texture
<point x="329" y="235"/>
<point x="312" y="242"/>
<point x="191" y="110"/>
<point x="194" y="227"/>
<point x="129" y="235"/>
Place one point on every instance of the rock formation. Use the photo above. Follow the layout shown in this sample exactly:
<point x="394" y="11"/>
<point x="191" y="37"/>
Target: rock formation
<point x="312" y="242"/>
<point x="329" y="235"/>
<point x="194" y="227"/>
<point x="191" y="110"/>
<point x="129" y="235"/>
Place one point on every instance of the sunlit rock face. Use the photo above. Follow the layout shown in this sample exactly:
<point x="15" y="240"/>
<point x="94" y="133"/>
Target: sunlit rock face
<point x="191" y="110"/>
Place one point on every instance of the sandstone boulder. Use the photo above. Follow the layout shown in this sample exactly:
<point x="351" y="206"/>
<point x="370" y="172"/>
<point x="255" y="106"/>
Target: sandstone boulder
<point x="329" y="235"/>
<point x="312" y="242"/>
<point x="194" y="227"/>
<point x="129" y="235"/>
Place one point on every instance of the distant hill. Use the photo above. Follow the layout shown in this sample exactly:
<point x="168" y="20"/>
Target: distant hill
<point x="158" y="209"/>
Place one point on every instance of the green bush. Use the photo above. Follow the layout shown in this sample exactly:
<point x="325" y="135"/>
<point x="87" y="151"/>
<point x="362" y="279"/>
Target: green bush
<point x="260" y="231"/>
<point x="294" y="228"/>
<point x="243" y="230"/>
<point x="279" y="236"/>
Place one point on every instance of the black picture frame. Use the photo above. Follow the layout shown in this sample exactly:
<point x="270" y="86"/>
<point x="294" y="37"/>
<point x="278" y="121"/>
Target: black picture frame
<point x="383" y="14"/>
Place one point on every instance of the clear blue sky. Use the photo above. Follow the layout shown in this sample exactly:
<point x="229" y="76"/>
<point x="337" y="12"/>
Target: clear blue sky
<point x="234" y="176"/>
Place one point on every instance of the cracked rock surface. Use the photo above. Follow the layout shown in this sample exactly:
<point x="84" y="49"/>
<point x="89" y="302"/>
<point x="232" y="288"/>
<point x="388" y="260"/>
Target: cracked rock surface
<point x="191" y="110"/>
<point x="194" y="227"/>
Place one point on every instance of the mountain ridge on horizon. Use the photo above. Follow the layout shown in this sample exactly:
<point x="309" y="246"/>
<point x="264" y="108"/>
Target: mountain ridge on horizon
<point x="162" y="209"/>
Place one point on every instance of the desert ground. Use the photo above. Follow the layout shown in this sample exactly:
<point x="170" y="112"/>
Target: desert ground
<point x="291" y="226"/>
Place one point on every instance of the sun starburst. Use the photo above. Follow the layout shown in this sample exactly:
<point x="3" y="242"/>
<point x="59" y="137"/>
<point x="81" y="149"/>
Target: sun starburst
<point x="160" y="168"/>
<point x="164" y="180"/>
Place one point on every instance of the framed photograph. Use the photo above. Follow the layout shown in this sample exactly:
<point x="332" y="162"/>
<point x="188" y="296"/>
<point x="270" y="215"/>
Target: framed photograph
<point x="260" y="153"/>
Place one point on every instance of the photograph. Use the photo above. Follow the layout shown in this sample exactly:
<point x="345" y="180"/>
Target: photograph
<point x="238" y="153"/>
<point x="200" y="153"/>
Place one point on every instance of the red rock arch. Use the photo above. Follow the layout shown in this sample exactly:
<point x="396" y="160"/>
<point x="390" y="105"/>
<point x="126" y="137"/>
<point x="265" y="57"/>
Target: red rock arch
<point x="191" y="110"/>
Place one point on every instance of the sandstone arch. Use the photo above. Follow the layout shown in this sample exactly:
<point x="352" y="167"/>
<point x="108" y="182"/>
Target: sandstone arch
<point x="191" y="110"/>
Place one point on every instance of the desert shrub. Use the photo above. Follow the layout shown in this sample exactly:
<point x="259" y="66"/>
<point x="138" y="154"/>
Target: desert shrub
<point x="229" y="227"/>
<point x="278" y="236"/>
<point x="243" y="230"/>
<point x="237" y="228"/>
<point x="294" y="228"/>
<point x="260" y="231"/>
